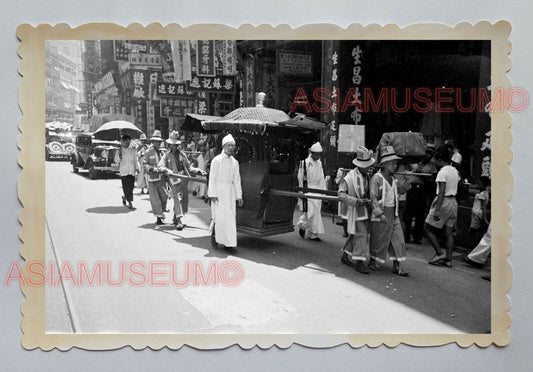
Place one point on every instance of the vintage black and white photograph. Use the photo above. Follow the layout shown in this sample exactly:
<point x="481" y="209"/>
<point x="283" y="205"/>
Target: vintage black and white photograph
<point x="268" y="186"/>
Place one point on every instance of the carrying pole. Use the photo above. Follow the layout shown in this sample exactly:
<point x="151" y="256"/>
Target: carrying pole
<point x="293" y="194"/>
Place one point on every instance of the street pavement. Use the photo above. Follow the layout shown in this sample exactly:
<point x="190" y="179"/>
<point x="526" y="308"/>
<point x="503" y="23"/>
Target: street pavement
<point x="290" y="285"/>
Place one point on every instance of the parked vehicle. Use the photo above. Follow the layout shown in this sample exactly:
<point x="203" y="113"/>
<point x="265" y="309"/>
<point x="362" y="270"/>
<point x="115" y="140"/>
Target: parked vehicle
<point x="96" y="156"/>
<point x="58" y="145"/>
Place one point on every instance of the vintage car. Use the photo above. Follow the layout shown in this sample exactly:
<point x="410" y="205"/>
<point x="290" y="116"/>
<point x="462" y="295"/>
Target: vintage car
<point x="96" y="156"/>
<point x="58" y="145"/>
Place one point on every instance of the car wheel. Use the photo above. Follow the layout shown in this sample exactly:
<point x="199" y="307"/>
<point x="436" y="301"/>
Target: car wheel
<point x="74" y="165"/>
<point x="93" y="174"/>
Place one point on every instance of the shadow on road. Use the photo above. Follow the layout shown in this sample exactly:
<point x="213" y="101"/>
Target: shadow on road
<point x="444" y="294"/>
<point x="110" y="210"/>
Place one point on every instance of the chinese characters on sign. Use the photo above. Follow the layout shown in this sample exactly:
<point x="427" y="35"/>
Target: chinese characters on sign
<point x="139" y="83"/>
<point x="116" y="104"/>
<point x="219" y="84"/>
<point x="202" y="106"/>
<point x="295" y="63"/>
<point x="334" y="78"/>
<point x="181" y="58"/>
<point x="89" y="104"/>
<point x="176" y="107"/>
<point x="150" y="117"/>
<point x="122" y="49"/>
<point x="205" y="58"/>
<point x="174" y="89"/>
<point x="145" y="59"/>
<point x="140" y="114"/>
<point x="356" y="80"/>
<point x="229" y="57"/>
<point x="176" y="75"/>
<point x="105" y="82"/>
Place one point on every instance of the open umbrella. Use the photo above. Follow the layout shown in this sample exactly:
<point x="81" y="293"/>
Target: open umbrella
<point x="112" y="130"/>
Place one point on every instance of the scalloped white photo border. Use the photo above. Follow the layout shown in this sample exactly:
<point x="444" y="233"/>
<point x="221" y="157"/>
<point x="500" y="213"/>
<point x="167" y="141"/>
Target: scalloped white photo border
<point x="31" y="185"/>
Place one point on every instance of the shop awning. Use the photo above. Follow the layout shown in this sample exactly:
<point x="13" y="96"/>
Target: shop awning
<point x="193" y="122"/>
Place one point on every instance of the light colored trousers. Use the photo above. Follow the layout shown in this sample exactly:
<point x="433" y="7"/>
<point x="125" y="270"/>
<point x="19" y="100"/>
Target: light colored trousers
<point x="482" y="250"/>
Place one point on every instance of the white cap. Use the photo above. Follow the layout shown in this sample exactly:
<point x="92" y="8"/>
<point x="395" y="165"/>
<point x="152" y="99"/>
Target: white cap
<point x="457" y="158"/>
<point x="316" y="147"/>
<point x="228" y="139"/>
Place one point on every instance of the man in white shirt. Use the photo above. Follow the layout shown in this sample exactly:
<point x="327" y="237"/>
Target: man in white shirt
<point x="443" y="212"/>
<point x="311" y="171"/>
<point x="225" y="192"/>
<point x="126" y="158"/>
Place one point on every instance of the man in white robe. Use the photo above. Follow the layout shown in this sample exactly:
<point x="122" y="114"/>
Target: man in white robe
<point x="225" y="192"/>
<point x="311" y="171"/>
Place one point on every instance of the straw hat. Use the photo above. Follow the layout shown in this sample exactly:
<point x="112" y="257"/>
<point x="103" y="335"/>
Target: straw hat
<point x="174" y="138"/>
<point x="388" y="154"/>
<point x="364" y="157"/>
<point x="156" y="136"/>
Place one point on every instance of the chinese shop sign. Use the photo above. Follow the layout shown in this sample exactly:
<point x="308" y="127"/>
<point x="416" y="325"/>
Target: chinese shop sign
<point x="219" y="84"/>
<point x="290" y="63"/>
<point x="144" y="59"/>
<point x="176" y="107"/>
<point x="174" y="90"/>
<point x="181" y="58"/>
<point x="122" y="49"/>
<point x="356" y="80"/>
<point x="229" y="57"/>
<point x="205" y="58"/>
<point x="140" y="83"/>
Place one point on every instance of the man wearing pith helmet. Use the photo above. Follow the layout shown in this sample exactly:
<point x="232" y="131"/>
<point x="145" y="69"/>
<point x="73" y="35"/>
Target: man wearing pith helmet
<point x="156" y="184"/>
<point x="354" y="191"/>
<point x="386" y="236"/>
<point x="225" y="193"/>
<point x="311" y="173"/>
<point x="175" y="163"/>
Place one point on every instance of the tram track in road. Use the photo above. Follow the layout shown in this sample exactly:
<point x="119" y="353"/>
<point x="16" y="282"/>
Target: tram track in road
<point x="68" y="301"/>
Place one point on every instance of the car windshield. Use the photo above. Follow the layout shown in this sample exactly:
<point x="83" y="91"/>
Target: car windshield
<point x="59" y="137"/>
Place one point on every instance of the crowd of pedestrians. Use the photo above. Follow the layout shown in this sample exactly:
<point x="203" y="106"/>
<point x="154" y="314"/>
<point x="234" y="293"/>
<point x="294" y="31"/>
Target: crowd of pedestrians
<point x="385" y="202"/>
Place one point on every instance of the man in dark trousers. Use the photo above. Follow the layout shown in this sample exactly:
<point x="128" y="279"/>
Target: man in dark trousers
<point x="126" y="158"/>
